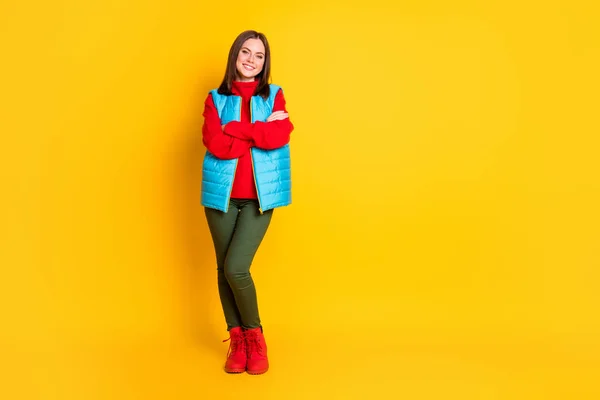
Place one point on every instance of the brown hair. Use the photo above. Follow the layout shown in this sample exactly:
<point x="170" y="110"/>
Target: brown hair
<point x="231" y="72"/>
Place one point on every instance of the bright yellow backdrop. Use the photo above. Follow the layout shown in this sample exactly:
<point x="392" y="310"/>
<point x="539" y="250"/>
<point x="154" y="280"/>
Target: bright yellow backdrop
<point x="443" y="241"/>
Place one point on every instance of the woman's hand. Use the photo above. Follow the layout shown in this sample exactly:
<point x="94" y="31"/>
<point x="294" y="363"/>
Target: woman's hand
<point x="277" y="116"/>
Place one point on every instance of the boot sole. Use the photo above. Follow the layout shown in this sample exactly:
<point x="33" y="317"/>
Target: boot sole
<point x="257" y="372"/>
<point x="235" y="371"/>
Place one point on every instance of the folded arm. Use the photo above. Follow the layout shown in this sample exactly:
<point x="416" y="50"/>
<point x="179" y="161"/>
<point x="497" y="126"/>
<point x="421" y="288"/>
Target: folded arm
<point x="264" y="135"/>
<point x="216" y="141"/>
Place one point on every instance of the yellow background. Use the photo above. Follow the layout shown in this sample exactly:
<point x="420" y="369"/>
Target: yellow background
<point x="443" y="241"/>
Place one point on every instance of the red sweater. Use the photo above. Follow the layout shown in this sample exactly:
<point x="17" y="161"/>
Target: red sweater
<point x="236" y="139"/>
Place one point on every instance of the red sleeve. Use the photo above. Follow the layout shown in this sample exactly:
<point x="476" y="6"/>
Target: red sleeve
<point x="216" y="141"/>
<point x="264" y="135"/>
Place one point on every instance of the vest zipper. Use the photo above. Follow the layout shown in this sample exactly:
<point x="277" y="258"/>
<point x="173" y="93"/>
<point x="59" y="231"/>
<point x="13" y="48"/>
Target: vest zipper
<point x="255" y="183"/>
<point x="252" y="161"/>
<point x="234" y="172"/>
<point x="231" y="186"/>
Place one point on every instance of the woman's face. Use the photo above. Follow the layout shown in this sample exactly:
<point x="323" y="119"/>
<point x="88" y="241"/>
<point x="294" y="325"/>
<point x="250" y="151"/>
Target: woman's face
<point x="250" y="60"/>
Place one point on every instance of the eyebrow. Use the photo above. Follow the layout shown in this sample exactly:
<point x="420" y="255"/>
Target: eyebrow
<point x="260" y="52"/>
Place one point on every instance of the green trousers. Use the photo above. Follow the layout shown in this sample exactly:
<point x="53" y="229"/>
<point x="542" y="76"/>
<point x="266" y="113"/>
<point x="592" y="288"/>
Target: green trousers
<point x="236" y="235"/>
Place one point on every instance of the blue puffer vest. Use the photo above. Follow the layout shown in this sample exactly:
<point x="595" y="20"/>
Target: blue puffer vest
<point x="272" y="173"/>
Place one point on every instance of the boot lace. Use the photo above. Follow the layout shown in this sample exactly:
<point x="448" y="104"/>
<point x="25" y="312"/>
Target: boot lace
<point x="236" y="344"/>
<point x="254" y="345"/>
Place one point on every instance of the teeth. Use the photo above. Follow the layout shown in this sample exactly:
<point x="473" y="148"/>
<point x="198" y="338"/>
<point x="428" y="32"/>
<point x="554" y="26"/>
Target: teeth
<point x="248" y="67"/>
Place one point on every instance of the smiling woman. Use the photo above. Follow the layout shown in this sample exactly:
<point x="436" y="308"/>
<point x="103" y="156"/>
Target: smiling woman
<point x="246" y="174"/>
<point x="249" y="60"/>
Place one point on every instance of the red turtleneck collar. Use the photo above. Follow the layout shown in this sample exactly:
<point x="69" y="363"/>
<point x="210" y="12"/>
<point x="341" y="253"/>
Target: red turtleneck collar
<point x="244" y="89"/>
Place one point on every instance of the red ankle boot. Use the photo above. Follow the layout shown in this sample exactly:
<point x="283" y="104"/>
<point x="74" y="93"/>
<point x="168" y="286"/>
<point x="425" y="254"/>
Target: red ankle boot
<point x="256" y="348"/>
<point x="236" y="356"/>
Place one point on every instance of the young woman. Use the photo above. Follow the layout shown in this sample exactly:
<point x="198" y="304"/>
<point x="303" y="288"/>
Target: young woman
<point x="246" y="175"/>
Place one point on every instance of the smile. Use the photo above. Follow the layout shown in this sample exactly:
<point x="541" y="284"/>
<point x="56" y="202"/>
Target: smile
<point x="248" y="67"/>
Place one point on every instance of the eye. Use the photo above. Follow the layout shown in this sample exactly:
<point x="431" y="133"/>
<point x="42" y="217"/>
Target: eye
<point x="260" y="57"/>
<point x="244" y="51"/>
